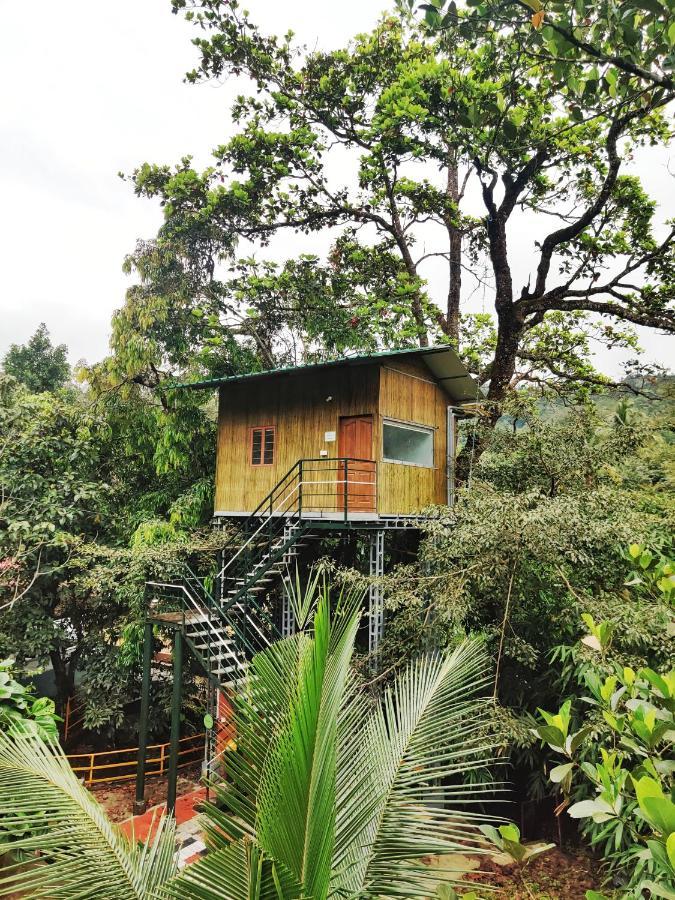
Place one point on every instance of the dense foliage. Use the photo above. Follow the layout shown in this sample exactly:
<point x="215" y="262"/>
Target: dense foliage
<point x="449" y="128"/>
<point x="416" y="149"/>
<point x="96" y="498"/>
<point x="38" y="364"/>
<point x="618" y="766"/>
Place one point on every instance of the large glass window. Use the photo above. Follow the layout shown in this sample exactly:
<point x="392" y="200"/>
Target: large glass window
<point x="262" y="446"/>
<point x="411" y="444"/>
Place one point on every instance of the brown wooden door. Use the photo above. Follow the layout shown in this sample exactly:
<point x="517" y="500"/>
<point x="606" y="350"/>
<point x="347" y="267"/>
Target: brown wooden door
<point x="355" y="441"/>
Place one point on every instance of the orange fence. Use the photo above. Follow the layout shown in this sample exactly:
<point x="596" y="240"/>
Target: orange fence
<point x="118" y="765"/>
<point x="73" y="717"/>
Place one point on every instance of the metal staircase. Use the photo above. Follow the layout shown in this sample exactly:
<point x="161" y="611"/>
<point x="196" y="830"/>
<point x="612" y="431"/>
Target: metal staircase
<point x="224" y="631"/>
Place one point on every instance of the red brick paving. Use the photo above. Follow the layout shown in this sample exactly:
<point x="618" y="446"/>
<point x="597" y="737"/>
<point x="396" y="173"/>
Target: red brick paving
<point x="139" y="826"/>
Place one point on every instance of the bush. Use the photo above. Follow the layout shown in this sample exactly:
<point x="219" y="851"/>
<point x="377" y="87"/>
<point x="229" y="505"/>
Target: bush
<point x="616" y="736"/>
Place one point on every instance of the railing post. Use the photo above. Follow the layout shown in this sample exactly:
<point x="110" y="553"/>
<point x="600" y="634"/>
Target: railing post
<point x="66" y="721"/>
<point x="175" y="719"/>
<point x="346" y="487"/>
<point x="139" y="803"/>
<point x="300" y="489"/>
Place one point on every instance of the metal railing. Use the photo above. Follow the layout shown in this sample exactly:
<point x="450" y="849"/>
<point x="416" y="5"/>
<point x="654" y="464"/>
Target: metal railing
<point x="215" y="635"/>
<point x="336" y="486"/>
<point x="236" y="625"/>
<point x="113" y="765"/>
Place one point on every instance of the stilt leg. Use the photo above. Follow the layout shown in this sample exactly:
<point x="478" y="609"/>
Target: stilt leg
<point x="139" y="803"/>
<point x="375" y="598"/>
<point x="175" y="719"/>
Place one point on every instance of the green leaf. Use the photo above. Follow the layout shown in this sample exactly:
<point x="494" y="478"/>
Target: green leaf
<point x="510" y="832"/>
<point x="551" y="735"/>
<point x="586" y="808"/>
<point x="670" y="849"/>
<point x="656" y="807"/>
<point x="645" y="559"/>
<point x="559" y="773"/>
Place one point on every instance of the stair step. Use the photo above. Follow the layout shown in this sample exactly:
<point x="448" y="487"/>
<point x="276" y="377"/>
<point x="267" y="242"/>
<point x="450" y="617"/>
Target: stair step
<point x="252" y="590"/>
<point x="218" y="649"/>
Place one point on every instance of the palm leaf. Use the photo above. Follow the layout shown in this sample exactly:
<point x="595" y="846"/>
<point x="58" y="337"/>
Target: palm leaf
<point x="82" y="854"/>
<point x="239" y="871"/>
<point x="279" y="785"/>
<point x="296" y="800"/>
<point x="400" y="794"/>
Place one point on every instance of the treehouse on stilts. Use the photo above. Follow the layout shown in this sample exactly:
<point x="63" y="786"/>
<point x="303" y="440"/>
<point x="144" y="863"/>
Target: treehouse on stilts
<point x="362" y="444"/>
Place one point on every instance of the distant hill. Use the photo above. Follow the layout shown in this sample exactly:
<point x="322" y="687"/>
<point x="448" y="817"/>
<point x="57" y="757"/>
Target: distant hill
<point x="661" y="388"/>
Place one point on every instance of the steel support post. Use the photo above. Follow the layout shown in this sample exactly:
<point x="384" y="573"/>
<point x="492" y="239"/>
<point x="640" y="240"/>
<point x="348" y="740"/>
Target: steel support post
<point x="375" y="597"/>
<point x="175" y="719"/>
<point x="287" y="615"/>
<point x="139" y="803"/>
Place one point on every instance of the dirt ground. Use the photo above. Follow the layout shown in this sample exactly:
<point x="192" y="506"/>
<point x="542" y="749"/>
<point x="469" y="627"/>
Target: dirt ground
<point x="118" y="799"/>
<point x="556" y="875"/>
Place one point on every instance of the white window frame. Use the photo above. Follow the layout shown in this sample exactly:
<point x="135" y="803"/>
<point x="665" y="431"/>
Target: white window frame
<point x="425" y="429"/>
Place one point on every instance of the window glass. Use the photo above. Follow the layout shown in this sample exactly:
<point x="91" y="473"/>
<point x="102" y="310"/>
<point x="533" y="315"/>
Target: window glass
<point x="262" y="446"/>
<point x="408" y="444"/>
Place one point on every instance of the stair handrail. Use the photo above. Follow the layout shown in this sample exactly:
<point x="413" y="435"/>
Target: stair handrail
<point x="270" y="498"/>
<point x="257" y="513"/>
<point x="257" y="531"/>
<point x="182" y="588"/>
<point x="210" y="601"/>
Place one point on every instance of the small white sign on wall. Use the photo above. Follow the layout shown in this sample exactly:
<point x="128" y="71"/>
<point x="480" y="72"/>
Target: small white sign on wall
<point x="329" y="437"/>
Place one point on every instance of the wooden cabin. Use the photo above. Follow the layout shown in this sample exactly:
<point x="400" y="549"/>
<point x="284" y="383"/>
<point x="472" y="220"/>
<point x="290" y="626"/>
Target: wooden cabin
<point x="375" y="435"/>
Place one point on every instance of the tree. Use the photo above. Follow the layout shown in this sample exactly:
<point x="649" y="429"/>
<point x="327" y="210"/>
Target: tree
<point x="38" y="364"/>
<point x="49" y="482"/>
<point x="540" y="537"/>
<point x="420" y="121"/>
<point x="79" y="483"/>
<point x="634" y="42"/>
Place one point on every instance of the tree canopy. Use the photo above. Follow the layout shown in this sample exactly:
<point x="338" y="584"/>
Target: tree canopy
<point x="414" y="147"/>
<point x="38" y="364"/>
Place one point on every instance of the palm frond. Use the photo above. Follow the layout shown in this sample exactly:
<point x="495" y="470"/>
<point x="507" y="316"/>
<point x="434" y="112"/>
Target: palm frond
<point x="258" y="715"/>
<point x="400" y="791"/>
<point x="82" y="853"/>
<point x="239" y="871"/>
<point x="296" y="800"/>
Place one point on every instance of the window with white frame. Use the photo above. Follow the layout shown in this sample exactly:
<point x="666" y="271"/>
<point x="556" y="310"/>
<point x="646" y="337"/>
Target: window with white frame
<point x="412" y="445"/>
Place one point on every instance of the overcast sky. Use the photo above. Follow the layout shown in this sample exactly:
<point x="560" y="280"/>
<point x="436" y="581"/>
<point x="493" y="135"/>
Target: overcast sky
<point x="90" y="88"/>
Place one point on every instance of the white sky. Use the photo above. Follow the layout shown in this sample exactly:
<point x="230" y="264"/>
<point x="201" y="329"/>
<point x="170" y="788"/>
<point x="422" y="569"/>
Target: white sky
<point x="90" y="88"/>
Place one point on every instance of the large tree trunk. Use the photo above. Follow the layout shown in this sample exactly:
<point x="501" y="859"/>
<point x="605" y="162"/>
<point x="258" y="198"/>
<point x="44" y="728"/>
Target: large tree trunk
<point x="454" y="255"/>
<point x="64" y="679"/>
<point x="501" y="373"/>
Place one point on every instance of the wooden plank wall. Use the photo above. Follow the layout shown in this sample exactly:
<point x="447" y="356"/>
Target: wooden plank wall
<point x="297" y="404"/>
<point x="408" y="393"/>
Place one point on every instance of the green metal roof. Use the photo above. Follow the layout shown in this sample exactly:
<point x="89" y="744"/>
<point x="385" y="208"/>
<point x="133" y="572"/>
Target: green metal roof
<point x="442" y="361"/>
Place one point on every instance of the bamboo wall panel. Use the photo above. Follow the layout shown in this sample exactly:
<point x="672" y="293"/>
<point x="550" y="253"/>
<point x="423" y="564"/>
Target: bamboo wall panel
<point x="408" y="393"/>
<point x="297" y="405"/>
